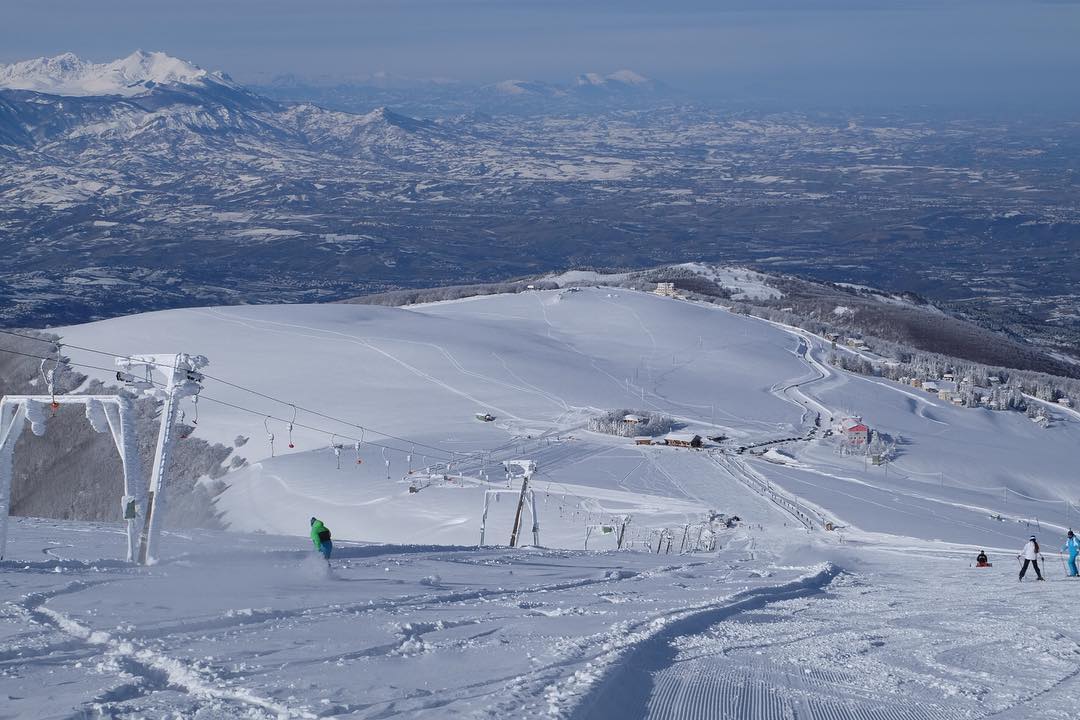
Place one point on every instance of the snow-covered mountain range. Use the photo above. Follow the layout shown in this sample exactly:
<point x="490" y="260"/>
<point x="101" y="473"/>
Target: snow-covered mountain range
<point x="588" y="92"/>
<point x="136" y="74"/>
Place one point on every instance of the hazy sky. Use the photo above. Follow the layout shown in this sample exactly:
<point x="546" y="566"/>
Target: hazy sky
<point x="958" y="51"/>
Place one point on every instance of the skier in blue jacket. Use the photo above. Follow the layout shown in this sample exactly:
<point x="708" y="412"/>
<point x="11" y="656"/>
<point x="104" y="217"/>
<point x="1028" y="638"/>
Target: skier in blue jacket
<point x="1072" y="546"/>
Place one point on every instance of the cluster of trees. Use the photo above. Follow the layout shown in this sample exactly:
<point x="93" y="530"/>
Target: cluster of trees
<point x="685" y="279"/>
<point x="74" y="473"/>
<point x="614" y="423"/>
<point x="688" y="282"/>
<point x="399" y="298"/>
<point x="912" y="329"/>
<point x="881" y="445"/>
<point x="1004" y="388"/>
<point x="904" y="323"/>
<point x="1014" y="372"/>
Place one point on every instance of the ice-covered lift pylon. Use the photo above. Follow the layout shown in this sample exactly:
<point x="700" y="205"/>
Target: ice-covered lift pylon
<point x="182" y="379"/>
<point x="106" y="413"/>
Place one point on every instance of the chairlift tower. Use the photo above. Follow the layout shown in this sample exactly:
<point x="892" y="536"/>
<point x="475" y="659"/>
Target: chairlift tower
<point x="182" y="379"/>
<point x="527" y="468"/>
<point x="526" y="496"/>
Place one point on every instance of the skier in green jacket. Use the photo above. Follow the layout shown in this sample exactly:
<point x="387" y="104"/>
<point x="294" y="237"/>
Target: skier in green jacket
<point x="320" y="535"/>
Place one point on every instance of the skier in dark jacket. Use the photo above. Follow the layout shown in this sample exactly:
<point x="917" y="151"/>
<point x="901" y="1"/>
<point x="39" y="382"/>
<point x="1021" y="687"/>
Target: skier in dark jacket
<point x="320" y="535"/>
<point x="981" y="560"/>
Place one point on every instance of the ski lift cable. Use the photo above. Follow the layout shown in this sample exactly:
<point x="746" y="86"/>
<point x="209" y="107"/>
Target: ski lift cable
<point x="300" y="425"/>
<point x="231" y="384"/>
<point x="363" y="429"/>
<point x="41" y="357"/>
<point x="325" y="416"/>
<point x="565" y="490"/>
<point x="79" y="347"/>
<point x="316" y="413"/>
<point x="234" y="406"/>
<point x="447" y="454"/>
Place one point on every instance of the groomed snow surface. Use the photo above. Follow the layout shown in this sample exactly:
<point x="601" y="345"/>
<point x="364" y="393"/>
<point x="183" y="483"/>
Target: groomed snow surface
<point x="884" y="618"/>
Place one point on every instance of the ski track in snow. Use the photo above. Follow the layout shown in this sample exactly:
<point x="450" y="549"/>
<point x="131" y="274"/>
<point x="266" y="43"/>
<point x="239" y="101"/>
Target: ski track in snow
<point x="619" y="682"/>
<point x="147" y="673"/>
<point x="151" y="670"/>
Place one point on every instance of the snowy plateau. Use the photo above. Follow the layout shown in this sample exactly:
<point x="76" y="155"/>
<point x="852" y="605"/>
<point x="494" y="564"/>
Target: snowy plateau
<point x="842" y="589"/>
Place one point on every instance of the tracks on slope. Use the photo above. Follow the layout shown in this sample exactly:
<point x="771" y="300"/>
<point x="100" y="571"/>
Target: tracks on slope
<point x="151" y="671"/>
<point x="619" y="681"/>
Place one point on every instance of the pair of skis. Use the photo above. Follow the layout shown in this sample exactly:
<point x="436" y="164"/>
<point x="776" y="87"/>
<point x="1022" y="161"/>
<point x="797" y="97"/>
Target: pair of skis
<point x="1038" y="571"/>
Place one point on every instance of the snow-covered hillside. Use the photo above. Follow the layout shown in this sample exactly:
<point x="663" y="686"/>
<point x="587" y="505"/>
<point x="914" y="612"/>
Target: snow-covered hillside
<point x="767" y="617"/>
<point x="544" y="362"/>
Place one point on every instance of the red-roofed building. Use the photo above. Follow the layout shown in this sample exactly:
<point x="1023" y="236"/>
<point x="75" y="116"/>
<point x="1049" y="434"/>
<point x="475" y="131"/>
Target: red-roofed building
<point x="855" y="432"/>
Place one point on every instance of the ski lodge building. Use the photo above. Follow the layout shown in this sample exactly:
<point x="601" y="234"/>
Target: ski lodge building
<point x="665" y="289"/>
<point x="687" y="440"/>
<point x="854" y="431"/>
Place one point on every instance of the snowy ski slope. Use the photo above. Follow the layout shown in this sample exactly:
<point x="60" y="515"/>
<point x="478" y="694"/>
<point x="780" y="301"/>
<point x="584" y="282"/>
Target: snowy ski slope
<point x="883" y="619"/>
<point x="542" y="362"/>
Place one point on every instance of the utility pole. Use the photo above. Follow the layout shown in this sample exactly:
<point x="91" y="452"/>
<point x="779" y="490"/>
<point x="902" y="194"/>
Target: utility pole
<point x="182" y="379"/>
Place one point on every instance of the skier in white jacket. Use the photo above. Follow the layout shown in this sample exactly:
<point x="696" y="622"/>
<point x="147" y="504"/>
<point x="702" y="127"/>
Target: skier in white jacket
<point x="1030" y="554"/>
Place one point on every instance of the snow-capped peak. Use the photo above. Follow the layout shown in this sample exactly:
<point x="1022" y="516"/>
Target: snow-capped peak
<point x="511" y="87"/>
<point x="157" y="67"/>
<point x="629" y="77"/>
<point x="135" y="74"/>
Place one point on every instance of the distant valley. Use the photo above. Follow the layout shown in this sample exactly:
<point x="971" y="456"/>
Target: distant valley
<point x="149" y="183"/>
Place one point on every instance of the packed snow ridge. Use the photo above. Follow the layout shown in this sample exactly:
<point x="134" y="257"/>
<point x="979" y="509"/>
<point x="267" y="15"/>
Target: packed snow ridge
<point x="67" y="74"/>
